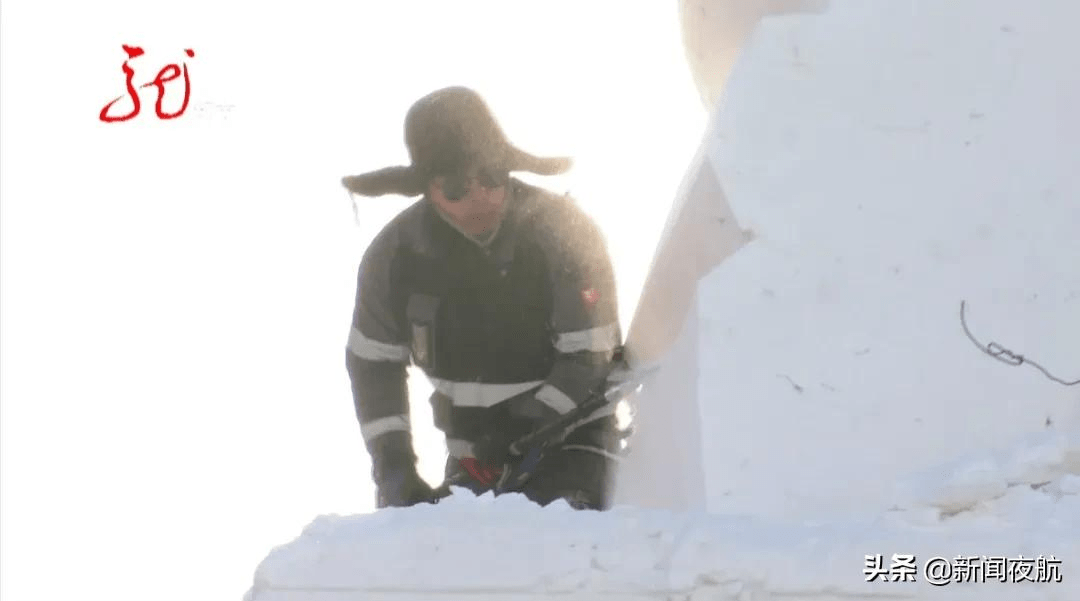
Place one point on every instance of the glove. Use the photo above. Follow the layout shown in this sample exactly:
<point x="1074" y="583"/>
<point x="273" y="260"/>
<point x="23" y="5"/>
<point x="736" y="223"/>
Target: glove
<point x="403" y="488"/>
<point x="393" y="468"/>
<point x="492" y="450"/>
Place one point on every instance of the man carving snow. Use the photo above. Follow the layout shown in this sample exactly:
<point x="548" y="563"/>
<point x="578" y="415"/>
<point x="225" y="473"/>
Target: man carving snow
<point x="502" y="293"/>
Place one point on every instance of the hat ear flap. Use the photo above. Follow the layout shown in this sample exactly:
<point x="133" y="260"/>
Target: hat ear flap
<point x="389" y="180"/>
<point x="523" y="161"/>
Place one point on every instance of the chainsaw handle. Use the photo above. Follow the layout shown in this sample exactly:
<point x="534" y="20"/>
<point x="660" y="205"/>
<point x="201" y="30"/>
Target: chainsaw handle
<point x="531" y="447"/>
<point x="595" y="401"/>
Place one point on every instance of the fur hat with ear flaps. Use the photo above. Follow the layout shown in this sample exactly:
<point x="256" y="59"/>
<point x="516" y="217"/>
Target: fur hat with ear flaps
<point x="448" y="131"/>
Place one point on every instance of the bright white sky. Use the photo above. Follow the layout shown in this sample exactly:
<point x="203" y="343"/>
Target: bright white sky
<point x="176" y="295"/>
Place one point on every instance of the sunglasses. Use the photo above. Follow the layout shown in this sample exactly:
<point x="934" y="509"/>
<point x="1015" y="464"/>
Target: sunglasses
<point x="455" y="186"/>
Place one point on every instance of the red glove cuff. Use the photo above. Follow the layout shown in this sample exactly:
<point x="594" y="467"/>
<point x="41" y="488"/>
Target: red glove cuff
<point x="482" y="474"/>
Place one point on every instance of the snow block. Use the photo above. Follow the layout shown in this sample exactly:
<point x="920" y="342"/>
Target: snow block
<point x="894" y="159"/>
<point x="667" y="445"/>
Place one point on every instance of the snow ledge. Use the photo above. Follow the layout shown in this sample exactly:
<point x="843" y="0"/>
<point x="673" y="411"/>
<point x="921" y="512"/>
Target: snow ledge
<point x="508" y="548"/>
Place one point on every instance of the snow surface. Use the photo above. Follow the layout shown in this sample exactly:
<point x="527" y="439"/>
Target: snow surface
<point x="501" y="547"/>
<point x="892" y="160"/>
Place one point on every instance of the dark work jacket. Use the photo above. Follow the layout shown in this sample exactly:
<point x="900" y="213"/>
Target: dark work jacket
<point x="509" y="335"/>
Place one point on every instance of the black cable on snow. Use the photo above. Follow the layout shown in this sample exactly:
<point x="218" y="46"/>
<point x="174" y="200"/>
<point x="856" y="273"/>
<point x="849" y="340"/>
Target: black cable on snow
<point x="1004" y="355"/>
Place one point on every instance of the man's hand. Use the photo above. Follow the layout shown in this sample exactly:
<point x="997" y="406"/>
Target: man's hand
<point x="530" y="415"/>
<point x="492" y="450"/>
<point x="403" y="488"/>
<point x="394" y="471"/>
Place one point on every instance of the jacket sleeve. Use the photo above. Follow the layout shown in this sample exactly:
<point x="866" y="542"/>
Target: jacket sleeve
<point x="377" y="355"/>
<point x="584" y="320"/>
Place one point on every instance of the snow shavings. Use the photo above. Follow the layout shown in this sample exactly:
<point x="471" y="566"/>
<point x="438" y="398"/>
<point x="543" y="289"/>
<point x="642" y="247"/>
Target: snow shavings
<point x="1022" y="500"/>
<point x="1038" y="462"/>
